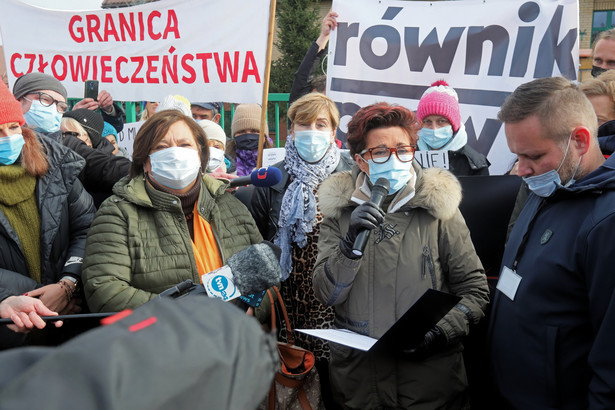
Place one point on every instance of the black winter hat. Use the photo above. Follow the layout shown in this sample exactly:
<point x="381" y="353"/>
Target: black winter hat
<point x="91" y="121"/>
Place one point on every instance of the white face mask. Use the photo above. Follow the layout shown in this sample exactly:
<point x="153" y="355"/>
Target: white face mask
<point x="216" y="158"/>
<point x="175" y="167"/>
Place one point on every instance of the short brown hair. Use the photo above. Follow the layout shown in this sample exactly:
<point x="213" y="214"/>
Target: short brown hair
<point x="604" y="35"/>
<point x="307" y="108"/>
<point x="379" y="115"/>
<point x="155" y="129"/>
<point x="558" y="103"/>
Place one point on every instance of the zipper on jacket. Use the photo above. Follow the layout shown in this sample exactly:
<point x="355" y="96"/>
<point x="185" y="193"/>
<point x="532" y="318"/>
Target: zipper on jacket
<point x="428" y="264"/>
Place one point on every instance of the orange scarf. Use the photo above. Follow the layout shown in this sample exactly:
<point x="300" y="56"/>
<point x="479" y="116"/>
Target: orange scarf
<point x="204" y="245"/>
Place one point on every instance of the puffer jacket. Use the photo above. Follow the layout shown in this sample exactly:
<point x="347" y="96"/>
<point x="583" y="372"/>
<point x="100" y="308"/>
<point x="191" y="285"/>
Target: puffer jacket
<point x="423" y="243"/>
<point x="139" y="244"/>
<point x="66" y="211"/>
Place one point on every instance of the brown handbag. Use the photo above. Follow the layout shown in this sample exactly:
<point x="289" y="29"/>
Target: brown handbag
<point x="296" y="384"/>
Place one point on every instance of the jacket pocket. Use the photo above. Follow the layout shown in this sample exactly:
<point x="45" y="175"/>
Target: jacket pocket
<point x="428" y="266"/>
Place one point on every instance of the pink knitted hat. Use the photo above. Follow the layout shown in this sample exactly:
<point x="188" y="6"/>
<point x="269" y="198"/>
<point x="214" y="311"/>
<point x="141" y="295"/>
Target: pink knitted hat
<point x="440" y="99"/>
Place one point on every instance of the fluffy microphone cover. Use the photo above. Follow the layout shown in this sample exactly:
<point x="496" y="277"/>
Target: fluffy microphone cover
<point x="256" y="268"/>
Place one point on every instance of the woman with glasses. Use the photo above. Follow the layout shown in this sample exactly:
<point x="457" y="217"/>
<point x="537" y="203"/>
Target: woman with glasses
<point x="418" y="241"/>
<point x="44" y="216"/>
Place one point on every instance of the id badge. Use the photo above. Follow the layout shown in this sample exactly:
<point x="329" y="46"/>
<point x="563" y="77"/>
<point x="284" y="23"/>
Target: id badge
<point x="508" y="282"/>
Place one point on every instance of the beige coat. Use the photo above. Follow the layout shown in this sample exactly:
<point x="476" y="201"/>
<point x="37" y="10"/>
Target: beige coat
<point x="424" y="243"/>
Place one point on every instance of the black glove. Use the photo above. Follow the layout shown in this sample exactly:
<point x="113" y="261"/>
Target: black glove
<point x="365" y="216"/>
<point x="433" y="342"/>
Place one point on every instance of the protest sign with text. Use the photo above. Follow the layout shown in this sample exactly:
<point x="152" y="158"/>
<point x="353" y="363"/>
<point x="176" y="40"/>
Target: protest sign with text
<point x="393" y="50"/>
<point x="211" y="51"/>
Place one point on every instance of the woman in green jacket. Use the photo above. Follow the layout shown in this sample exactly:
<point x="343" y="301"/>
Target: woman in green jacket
<point x="166" y="223"/>
<point x="419" y="241"/>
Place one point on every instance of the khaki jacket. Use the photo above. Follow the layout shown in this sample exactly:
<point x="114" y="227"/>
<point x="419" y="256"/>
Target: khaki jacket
<point x="423" y="243"/>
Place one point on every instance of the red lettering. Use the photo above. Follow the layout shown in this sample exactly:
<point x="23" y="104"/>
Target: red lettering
<point x="250" y="68"/>
<point x="150" y="25"/>
<point x="222" y="68"/>
<point x="141" y="27"/>
<point x="110" y="28"/>
<point x="171" y="25"/>
<point x="76" y="33"/>
<point x="93" y="24"/>
<point x="134" y="79"/>
<point x="54" y="62"/>
<point x="94" y="68"/>
<point x="118" y="70"/>
<point x="105" y="68"/>
<point x="204" y="57"/>
<point x="188" y="68"/>
<point x="77" y="70"/>
<point x="151" y="69"/>
<point x="127" y="27"/>
<point x="168" y="68"/>
<point x="32" y="58"/>
<point x="13" y="58"/>
<point x="41" y="64"/>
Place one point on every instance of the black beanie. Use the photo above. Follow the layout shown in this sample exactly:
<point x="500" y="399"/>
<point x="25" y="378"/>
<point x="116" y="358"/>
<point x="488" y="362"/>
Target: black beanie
<point x="91" y="121"/>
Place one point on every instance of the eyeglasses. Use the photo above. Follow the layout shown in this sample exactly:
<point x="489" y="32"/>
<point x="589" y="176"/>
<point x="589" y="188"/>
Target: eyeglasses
<point x="380" y="155"/>
<point x="47" y="100"/>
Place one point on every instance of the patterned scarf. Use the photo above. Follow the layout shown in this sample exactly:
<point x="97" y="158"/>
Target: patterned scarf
<point x="298" y="211"/>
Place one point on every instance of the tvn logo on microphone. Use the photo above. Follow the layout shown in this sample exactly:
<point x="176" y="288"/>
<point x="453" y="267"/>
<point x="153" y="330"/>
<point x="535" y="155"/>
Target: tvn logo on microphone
<point x="219" y="284"/>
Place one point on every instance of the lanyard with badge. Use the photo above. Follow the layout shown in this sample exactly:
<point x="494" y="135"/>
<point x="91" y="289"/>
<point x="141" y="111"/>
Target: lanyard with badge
<point x="509" y="278"/>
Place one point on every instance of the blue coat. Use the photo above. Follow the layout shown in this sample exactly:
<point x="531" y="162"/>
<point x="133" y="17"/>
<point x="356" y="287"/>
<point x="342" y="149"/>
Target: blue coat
<point x="553" y="346"/>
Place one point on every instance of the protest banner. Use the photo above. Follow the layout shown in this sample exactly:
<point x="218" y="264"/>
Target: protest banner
<point x="393" y="50"/>
<point x="205" y="51"/>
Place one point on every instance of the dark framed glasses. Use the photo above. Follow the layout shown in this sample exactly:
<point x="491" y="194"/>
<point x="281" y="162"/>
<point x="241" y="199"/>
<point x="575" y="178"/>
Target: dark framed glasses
<point x="380" y="155"/>
<point x="47" y="100"/>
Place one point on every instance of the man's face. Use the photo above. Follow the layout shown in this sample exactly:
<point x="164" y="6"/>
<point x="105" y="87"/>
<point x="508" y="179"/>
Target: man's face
<point x="26" y="101"/>
<point x="200" y="113"/>
<point x="537" y="152"/>
<point x="604" y="54"/>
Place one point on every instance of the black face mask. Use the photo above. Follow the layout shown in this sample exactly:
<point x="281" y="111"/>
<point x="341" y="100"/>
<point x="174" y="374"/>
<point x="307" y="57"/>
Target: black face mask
<point x="596" y="71"/>
<point x="248" y="142"/>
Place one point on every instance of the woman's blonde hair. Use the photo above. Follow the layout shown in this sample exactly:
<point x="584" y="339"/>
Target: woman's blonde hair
<point x="307" y="108"/>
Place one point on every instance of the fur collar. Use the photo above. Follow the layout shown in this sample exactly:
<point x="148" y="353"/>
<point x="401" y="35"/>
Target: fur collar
<point x="437" y="190"/>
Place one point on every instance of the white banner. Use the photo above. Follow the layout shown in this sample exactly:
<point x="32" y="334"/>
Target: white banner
<point x="204" y="50"/>
<point x="393" y="50"/>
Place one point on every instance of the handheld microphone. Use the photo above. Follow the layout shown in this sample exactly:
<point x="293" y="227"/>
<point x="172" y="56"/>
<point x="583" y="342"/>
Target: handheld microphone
<point x="262" y="177"/>
<point x="380" y="190"/>
<point x="252" y="270"/>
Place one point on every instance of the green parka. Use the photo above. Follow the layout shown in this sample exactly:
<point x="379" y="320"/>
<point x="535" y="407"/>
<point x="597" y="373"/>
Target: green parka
<point x="139" y="244"/>
<point x="423" y="243"/>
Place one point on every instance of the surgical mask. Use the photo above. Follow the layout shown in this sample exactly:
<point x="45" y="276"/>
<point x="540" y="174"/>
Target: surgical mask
<point x="398" y="173"/>
<point x="545" y="184"/>
<point x="43" y="119"/>
<point x="436" y="139"/>
<point x="10" y="148"/>
<point x="312" y="145"/>
<point x="216" y="158"/>
<point x="596" y="71"/>
<point x="175" y="167"/>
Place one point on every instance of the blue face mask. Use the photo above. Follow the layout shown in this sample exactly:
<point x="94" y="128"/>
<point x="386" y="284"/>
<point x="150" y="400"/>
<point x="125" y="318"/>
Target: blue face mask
<point x="398" y="173"/>
<point x="545" y="184"/>
<point x="312" y="145"/>
<point x="436" y="139"/>
<point x="43" y="119"/>
<point x="10" y="148"/>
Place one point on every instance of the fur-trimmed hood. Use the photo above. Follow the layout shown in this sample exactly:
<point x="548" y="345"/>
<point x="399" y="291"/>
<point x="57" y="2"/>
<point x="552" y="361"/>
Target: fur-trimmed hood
<point x="437" y="190"/>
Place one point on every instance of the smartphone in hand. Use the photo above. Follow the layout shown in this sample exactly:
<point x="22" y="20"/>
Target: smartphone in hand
<point x="91" y="89"/>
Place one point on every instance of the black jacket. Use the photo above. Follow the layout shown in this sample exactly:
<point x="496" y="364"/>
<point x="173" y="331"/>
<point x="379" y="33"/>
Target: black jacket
<point x="66" y="211"/>
<point x="606" y="137"/>
<point x="116" y="120"/>
<point x="266" y="202"/>
<point x="467" y="162"/>
<point x="302" y="84"/>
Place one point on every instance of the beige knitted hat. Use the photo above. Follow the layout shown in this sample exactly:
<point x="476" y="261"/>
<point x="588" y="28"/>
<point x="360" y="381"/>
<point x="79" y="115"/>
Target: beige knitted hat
<point x="213" y="131"/>
<point x="247" y="116"/>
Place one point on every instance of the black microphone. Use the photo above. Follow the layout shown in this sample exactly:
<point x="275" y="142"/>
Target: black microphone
<point x="252" y="270"/>
<point x="380" y="190"/>
<point x="262" y="177"/>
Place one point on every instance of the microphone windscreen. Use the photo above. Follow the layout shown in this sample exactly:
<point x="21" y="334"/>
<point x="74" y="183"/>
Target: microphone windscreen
<point x="266" y="176"/>
<point x="256" y="268"/>
<point x="382" y="184"/>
